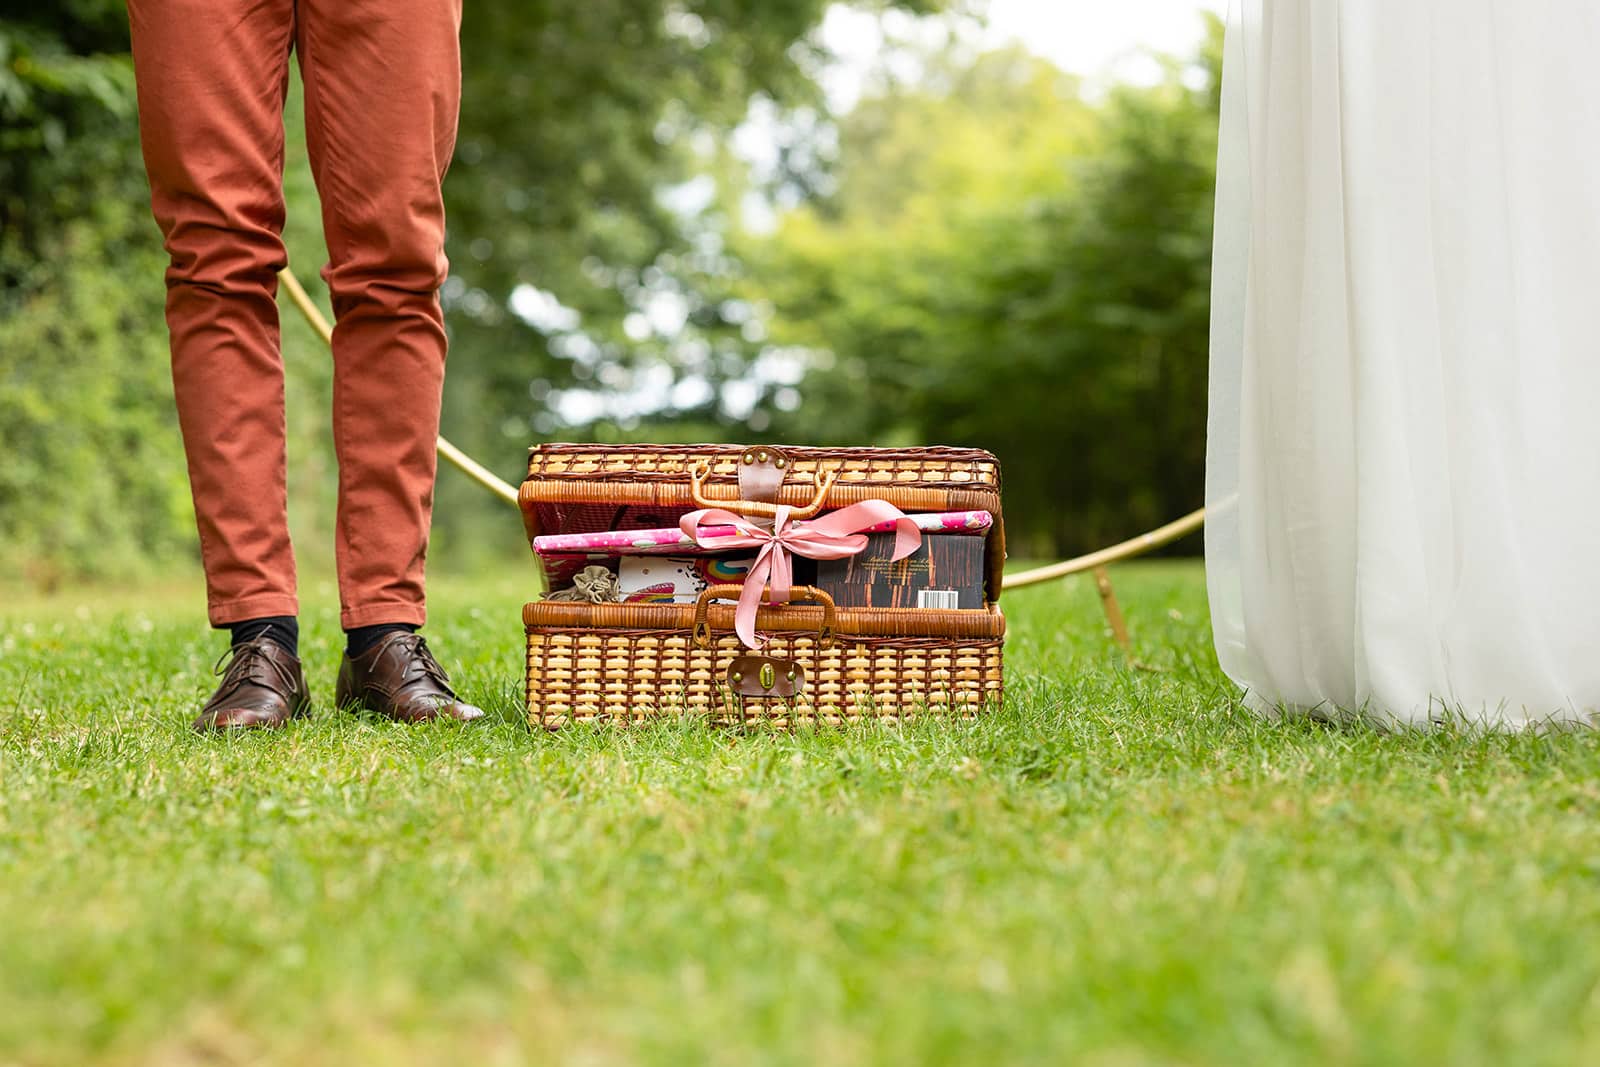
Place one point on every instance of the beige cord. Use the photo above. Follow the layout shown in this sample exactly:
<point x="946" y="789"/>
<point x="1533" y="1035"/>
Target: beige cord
<point x="483" y="476"/>
<point x="1135" y="546"/>
<point x="463" y="462"/>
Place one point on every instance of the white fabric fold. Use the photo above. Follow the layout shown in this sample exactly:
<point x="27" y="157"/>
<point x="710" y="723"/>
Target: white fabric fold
<point x="1404" y="446"/>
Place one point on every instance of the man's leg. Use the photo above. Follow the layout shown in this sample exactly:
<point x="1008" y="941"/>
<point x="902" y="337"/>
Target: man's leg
<point x="211" y="78"/>
<point x="383" y="84"/>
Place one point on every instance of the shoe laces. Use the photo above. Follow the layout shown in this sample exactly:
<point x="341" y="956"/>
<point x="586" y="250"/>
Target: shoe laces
<point x="250" y="663"/>
<point x="420" y="664"/>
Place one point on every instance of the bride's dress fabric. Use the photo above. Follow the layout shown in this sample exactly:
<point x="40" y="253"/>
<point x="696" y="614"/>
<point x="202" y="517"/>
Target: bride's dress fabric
<point x="1404" y="449"/>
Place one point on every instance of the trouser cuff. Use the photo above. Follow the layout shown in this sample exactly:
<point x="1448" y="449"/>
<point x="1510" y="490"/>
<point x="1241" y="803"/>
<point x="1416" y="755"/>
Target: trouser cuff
<point x="224" y="613"/>
<point x="375" y="614"/>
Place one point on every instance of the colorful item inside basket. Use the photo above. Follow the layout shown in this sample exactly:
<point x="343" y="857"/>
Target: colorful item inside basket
<point x="676" y="579"/>
<point x="945" y="573"/>
<point x="676" y="542"/>
<point x="833" y="536"/>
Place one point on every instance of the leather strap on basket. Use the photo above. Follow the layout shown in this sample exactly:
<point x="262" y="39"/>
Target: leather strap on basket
<point x="764" y="676"/>
<point x="761" y="474"/>
<point x="702" y="608"/>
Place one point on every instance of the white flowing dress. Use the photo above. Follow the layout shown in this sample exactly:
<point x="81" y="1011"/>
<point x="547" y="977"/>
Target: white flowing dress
<point x="1404" y="446"/>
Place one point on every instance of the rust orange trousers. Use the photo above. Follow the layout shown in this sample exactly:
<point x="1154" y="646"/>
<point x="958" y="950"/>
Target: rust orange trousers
<point x="382" y="87"/>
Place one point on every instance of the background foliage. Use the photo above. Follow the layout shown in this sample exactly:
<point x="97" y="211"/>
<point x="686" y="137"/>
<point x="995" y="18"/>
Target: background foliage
<point x="1033" y="278"/>
<point x="84" y="397"/>
<point x="982" y="253"/>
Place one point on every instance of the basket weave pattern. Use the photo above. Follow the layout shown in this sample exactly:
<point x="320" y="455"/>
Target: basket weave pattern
<point x="632" y="676"/>
<point x="927" y="468"/>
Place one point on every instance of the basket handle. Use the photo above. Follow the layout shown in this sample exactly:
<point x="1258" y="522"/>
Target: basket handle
<point x="697" y="488"/>
<point x="702" y="624"/>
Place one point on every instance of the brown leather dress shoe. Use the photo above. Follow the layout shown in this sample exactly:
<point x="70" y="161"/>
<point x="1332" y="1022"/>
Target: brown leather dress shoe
<point x="262" y="688"/>
<point x="399" y="679"/>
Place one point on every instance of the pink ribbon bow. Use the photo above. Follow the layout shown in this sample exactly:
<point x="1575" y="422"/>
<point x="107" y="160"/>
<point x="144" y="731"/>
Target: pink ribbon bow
<point x="834" y="536"/>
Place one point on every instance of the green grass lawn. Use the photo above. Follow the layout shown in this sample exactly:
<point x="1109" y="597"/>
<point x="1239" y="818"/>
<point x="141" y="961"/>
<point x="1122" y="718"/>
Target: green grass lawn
<point x="1119" y="868"/>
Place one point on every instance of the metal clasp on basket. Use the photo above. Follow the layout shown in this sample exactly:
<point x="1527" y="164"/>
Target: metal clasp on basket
<point x="763" y="676"/>
<point x="702" y="609"/>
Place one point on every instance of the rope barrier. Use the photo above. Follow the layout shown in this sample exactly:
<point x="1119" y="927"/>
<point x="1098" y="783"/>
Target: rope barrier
<point x="1134" y="546"/>
<point x="1094" y="561"/>
<point x="457" y="458"/>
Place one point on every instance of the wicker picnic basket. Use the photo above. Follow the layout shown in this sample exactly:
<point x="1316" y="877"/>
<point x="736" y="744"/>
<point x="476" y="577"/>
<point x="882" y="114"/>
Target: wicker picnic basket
<point x="631" y="662"/>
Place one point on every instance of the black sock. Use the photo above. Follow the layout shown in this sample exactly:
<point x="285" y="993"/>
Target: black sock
<point x="362" y="638"/>
<point x="284" y="629"/>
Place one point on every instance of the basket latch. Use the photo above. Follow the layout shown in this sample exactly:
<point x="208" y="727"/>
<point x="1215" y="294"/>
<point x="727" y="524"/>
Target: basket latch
<point x="765" y="676"/>
<point x="761" y="473"/>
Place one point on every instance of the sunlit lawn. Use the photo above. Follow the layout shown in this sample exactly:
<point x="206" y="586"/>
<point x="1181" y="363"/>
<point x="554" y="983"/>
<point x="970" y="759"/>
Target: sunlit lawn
<point x="1119" y="868"/>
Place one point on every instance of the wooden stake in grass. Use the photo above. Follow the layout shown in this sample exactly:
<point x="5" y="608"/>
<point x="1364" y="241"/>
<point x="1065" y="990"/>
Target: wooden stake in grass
<point x="1113" y="610"/>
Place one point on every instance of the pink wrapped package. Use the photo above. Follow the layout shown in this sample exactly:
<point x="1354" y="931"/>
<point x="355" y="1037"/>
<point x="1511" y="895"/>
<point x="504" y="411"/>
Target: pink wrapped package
<point x="673" y="541"/>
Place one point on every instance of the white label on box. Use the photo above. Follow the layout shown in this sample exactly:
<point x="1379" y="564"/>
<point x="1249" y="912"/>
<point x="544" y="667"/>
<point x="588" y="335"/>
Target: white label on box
<point x="943" y="599"/>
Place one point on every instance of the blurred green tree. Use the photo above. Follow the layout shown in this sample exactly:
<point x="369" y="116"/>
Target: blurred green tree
<point x="92" y="478"/>
<point x="582" y="119"/>
<point x="1008" y="266"/>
